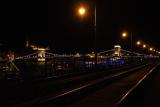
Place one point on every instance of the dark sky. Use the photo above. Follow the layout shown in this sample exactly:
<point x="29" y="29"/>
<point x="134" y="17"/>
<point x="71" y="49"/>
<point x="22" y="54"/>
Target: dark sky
<point x="55" y="23"/>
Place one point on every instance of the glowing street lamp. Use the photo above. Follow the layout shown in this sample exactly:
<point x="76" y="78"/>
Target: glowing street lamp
<point x="144" y="46"/>
<point x="124" y="34"/>
<point x="151" y="49"/>
<point x="81" y="11"/>
<point x="138" y="43"/>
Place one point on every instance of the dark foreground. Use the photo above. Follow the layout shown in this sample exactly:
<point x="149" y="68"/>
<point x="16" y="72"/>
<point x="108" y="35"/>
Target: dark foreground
<point x="118" y="86"/>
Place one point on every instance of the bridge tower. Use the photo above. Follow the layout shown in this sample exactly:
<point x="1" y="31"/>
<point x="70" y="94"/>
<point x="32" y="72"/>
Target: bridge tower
<point x="10" y="55"/>
<point x="117" y="50"/>
<point x="41" y="55"/>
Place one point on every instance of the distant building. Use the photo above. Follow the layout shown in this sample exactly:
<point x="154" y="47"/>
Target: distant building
<point x="36" y="47"/>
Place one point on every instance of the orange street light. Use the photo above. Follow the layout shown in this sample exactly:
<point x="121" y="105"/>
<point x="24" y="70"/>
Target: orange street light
<point x="124" y="34"/>
<point x="81" y="11"/>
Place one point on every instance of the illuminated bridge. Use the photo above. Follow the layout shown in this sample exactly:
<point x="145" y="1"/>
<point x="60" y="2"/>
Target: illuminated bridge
<point x="121" y="53"/>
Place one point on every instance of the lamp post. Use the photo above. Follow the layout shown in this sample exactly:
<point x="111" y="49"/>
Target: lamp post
<point x="124" y="35"/>
<point x="82" y="12"/>
<point x="95" y="36"/>
<point x="144" y="47"/>
<point x="131" y="42"/>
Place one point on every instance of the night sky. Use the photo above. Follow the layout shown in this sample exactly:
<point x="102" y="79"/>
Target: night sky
<point x="56" y="24"/>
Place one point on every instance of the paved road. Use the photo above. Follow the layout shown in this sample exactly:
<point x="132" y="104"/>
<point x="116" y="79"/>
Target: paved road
<point x="114" y="93"/>
<point x="147" y="95"/>
<point x="109" y="95"/>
